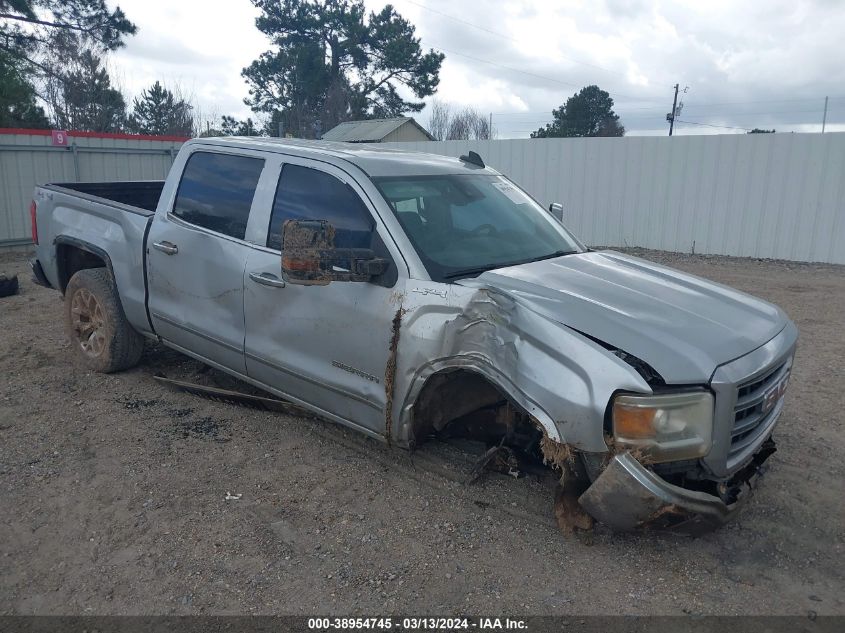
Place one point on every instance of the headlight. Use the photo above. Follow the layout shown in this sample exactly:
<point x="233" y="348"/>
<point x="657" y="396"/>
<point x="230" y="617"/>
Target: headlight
<point x="665" y="427"/>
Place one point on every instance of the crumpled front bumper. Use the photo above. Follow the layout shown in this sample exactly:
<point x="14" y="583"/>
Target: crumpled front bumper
<point x="627" y="496"/>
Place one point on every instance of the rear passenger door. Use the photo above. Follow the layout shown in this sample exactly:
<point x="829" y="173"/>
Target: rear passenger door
<point x="196" y="254"/>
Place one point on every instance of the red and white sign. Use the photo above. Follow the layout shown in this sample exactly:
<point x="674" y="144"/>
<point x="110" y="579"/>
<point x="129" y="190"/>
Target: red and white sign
<point x="59" y="137"/>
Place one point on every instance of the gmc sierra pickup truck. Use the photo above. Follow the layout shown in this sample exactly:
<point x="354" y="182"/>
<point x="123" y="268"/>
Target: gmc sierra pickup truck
<point x="412" y="296"/>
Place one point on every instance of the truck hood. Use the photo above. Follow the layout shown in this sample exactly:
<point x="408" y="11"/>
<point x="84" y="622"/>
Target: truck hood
<point x="681" y="325"/>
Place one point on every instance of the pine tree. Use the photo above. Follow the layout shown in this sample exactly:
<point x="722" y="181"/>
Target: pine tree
<point x="28" y="27"/>
<point x="159" y="112"/>
<point x="332" y="62"/>
<point x="587" y="113"/>
<point x="81" y="93"/>
<point x="18" y="106"/>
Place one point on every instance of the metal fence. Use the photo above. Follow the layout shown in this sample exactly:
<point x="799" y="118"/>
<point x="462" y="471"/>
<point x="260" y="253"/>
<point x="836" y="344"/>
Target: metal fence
<point x="30" y="157"/>
<point x="757" y="195"/>
<point x="750" y="195"/>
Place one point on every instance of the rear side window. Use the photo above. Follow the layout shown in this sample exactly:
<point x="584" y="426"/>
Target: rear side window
<point x="310" y="194"/>
<point x="216" y="192"/>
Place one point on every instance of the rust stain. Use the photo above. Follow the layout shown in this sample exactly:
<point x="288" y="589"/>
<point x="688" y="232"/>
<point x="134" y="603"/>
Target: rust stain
<point x="637" y="453"/>
<point x="555" y="453"/>
<point x="569" y="514"/>
<point x="390" y="373"/>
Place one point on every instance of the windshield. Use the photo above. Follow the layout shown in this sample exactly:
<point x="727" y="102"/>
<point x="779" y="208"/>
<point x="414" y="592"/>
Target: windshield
<point x="462" y="225"/>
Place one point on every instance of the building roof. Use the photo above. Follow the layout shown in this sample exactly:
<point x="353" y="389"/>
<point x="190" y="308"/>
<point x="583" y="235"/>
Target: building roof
<point x="371" y="130"/>
<point x="374" y="160"/>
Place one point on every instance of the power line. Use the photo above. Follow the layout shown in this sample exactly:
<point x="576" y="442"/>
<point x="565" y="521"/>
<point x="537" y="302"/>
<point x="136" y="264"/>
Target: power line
<point x="625" y="113"/>
<point x="517" y="70"/>
<point x="727" y="127"/>
<point x="710" y="104"/>
<point x="769" y="112"/>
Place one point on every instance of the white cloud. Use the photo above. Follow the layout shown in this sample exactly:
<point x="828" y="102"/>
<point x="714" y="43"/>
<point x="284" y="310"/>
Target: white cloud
<point x="771" y="61"/>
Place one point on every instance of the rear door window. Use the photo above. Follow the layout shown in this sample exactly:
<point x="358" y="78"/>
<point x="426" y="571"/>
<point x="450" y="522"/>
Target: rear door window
<point x="216" y="191"/>
<point x="310" y="194"/>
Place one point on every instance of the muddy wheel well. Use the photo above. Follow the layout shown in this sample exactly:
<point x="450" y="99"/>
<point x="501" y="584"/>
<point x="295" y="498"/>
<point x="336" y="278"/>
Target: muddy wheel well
<point x="463" y="403"/>
<point x="72" y="258"/>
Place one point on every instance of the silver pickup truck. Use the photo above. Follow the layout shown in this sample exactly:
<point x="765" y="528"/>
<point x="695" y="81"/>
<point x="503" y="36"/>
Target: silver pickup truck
<point x="413" y="296"/>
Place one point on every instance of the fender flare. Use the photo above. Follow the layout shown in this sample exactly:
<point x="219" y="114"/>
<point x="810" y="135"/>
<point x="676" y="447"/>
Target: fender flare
<point x="67" y="240"/>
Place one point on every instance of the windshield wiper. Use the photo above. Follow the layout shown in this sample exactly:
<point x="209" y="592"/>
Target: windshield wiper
<point x="467" y="272"/>
<point x="549" y="256"/>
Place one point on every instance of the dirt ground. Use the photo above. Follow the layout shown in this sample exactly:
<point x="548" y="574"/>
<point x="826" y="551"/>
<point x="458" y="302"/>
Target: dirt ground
<point x="113" y="496"/>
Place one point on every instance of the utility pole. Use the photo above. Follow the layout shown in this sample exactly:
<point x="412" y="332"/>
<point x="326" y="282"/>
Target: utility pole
<point x="671" y="116"/>
<point x="824" y="116"/>
<point x="490" y="129"/>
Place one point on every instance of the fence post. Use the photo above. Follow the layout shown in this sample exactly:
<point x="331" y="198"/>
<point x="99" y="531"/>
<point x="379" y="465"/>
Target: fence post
<point x="75" y="151"/>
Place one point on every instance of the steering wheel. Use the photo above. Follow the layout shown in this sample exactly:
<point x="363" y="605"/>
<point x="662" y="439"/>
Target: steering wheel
<point x="485" y="229"/>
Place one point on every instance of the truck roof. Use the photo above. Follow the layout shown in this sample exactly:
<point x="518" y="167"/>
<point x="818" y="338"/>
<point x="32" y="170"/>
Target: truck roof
<point x="374" y="159"/>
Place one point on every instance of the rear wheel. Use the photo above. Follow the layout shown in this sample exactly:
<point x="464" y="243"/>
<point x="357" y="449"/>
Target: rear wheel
<point x="96" y="324"/>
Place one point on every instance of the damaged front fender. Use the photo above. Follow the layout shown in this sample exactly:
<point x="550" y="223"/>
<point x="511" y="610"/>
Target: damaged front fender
<point x="558" y="376"/>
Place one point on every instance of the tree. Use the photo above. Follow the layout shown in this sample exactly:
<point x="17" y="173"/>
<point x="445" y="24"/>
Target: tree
<point x="332" y="62"/>
<point x="468" y="124"/>
<point x="757" y="130"/>
<point x="28" y="27"/>
<point x="587" y="113"/>
<point x="438" y="120"/>
<point x="230" y="126"/>
<point x="159" y="112"/>
<point x="445" y="124"/>
<point x="18" y="106"/>
<point x="80" y="91"/>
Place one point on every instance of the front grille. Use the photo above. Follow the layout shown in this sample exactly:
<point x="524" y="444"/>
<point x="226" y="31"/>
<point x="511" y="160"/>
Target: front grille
<point x="749" y="419"/>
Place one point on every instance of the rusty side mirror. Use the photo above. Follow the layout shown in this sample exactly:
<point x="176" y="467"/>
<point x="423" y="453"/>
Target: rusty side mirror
<point x="309" y="256"/>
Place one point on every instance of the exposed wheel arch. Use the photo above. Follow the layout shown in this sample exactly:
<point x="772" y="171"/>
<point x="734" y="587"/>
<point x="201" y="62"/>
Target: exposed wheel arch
<point x="73" y="255"/>
<point x="450" y="392"/>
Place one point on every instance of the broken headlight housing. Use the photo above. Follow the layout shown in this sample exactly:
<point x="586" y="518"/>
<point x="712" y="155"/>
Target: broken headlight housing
<point x="664" y="427"/>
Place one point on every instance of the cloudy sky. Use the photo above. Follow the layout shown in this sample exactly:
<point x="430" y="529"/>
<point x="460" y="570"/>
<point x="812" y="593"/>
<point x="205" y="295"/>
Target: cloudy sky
<point x="745" y="64"/>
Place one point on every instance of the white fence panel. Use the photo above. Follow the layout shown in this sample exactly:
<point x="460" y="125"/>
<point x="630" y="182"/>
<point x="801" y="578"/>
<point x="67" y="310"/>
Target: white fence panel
<point x="749" y="195"/>
<point x="28" y="159"/>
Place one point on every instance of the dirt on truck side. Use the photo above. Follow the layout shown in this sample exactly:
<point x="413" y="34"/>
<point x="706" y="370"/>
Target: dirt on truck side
<point x="124" y="496"/>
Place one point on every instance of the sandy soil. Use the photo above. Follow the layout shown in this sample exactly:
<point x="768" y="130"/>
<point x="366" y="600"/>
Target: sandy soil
<point x="113" y="495"/>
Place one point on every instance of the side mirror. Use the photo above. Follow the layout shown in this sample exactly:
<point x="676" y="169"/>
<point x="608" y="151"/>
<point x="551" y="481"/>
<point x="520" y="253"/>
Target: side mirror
<point x="556" y="209"/>
<point x="309" y="256"/>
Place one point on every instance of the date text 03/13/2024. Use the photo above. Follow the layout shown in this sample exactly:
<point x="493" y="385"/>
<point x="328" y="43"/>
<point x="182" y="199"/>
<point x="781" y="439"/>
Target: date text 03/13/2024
<point x="416" y="624"/>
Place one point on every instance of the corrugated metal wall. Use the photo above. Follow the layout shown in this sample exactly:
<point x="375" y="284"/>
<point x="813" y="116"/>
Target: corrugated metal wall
<point x="30" y="159"/>
<point x="751" y="195"/>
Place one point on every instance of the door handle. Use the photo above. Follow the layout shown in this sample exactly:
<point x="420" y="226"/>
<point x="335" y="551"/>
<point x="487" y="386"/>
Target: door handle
<point x="267" y="279"/>
<point x="168" y="248"/>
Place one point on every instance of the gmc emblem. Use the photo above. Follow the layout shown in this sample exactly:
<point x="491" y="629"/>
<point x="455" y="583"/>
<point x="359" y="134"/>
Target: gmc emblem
<point x="773" y="395"/>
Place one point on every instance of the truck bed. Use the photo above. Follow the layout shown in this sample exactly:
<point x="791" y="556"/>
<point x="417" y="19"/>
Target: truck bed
<point x="141" y="194"/>
<point x="107" y="219"/>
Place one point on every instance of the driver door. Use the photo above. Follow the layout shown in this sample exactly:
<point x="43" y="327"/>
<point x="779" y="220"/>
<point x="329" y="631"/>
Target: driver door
<point x="325" y="346"/>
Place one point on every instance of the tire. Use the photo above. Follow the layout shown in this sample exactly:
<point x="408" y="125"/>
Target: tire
<point x="96" y="325"/>
<point x="8" y="286"/>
